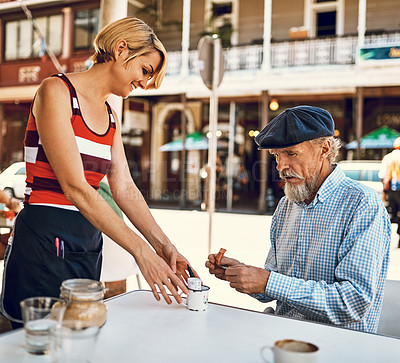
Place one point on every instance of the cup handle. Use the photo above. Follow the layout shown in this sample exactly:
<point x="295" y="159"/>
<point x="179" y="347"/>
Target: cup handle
<point x="184" y="299"/>
<point x="262" y="350"/>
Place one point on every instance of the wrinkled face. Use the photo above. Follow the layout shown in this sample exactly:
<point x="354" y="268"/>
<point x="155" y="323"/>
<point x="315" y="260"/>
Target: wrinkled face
<point x="137" y="72"/>
<point x="300" y="167"/>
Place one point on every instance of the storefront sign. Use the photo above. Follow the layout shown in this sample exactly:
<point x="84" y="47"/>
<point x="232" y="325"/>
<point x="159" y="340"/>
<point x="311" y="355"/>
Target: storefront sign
<point x="379" y="53"/>
<point x="28" y="74"/>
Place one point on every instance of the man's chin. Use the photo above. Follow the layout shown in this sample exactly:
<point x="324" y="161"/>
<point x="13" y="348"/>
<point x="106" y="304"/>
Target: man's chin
<point x="294" y="194"/>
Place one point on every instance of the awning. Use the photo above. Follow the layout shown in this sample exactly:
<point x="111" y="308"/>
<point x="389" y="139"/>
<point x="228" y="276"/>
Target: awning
<point x="18" y="93"/>
<point x="381" y="138"/>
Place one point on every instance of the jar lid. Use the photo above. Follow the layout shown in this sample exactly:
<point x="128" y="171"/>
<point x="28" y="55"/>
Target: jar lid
<point x="82" y="288"/>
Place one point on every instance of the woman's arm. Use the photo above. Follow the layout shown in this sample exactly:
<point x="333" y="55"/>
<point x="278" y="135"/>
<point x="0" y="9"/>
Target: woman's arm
<point x="130" y="200"/>
<point x="53" y="113"/>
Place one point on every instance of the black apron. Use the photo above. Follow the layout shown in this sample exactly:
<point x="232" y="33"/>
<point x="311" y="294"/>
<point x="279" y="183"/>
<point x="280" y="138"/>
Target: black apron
<point x="32" y="266"/>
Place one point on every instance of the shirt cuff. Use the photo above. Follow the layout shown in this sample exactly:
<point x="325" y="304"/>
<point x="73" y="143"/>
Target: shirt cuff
<point x="278" y="286"/>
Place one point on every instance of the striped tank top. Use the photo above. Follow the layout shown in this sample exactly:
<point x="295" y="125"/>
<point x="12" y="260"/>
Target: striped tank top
<point x="42" y="187"/>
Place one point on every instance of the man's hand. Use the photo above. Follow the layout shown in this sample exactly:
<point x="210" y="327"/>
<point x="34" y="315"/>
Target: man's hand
<point x="219" y="271"/>
<point x="247" y="279"/>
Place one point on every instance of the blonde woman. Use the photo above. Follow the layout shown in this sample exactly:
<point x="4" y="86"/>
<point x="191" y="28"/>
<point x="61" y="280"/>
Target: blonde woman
<point x="72" y="140"/>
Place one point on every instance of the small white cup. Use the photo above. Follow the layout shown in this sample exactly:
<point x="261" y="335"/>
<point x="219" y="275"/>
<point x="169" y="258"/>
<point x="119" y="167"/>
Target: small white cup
<point x="194" y="283"/>
<point x="197" y="300"/>
<point x="291" y="351"/>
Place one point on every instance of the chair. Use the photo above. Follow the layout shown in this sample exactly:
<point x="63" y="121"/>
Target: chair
<point x="390" y="315"/>
<point x="118" y="264"/>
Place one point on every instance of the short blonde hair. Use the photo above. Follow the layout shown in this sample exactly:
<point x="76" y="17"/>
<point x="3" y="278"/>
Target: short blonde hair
<point x="140" y="39"/>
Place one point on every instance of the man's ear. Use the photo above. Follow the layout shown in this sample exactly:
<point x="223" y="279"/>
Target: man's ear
<point x="326" y="148"/>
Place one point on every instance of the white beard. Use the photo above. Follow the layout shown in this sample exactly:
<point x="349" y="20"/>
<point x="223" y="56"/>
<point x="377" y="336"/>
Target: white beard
<point x="304" y="191"/>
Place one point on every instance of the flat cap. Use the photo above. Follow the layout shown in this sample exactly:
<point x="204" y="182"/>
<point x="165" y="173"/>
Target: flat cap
<point x="294" y="126"/>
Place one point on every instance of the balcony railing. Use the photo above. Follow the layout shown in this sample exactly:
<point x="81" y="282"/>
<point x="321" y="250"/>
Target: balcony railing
<point x="285" y="54"/>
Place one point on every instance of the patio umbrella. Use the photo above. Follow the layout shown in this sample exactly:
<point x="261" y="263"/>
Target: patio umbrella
<point x="194" y="141"/>
<point x="381" y="138"/>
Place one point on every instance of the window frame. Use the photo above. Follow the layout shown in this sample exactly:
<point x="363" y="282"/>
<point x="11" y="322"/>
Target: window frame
<point x="312" y="8"/>
<point x="89" y="43"/>
<point x="33" y="37"/>
<point x="233" y="17"/>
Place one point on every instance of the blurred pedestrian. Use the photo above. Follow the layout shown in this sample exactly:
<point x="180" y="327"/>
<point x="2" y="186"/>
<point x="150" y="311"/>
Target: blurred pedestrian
<point x="330" y="235"/>
<point x="240" y="182"/>
<point x="73" y="139"/>
<point x="390" y="175"/>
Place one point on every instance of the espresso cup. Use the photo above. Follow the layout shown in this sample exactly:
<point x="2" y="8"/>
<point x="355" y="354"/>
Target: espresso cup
<point x="291" y="351"/>
<point x="197" y="300"/>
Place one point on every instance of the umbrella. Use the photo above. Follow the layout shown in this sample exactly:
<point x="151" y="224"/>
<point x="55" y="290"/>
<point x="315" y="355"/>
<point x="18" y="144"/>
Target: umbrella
<point x="194" y="141"/>
<point x="381" y="138"/>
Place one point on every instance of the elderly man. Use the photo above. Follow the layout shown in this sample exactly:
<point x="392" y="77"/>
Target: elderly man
<point x="330" y="235"/>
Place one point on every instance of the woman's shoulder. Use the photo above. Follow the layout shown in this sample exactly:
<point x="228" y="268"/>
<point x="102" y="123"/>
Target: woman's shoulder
<point x="52" y="93"/>
<point x="53" y="86"/>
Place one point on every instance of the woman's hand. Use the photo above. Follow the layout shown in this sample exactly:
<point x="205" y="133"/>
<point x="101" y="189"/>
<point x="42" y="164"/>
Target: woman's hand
<point x="159" y="274"/>
<point x="177" y="262"/>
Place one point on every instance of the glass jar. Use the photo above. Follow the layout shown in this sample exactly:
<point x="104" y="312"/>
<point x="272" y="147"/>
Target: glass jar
<point x="84" y="301"/>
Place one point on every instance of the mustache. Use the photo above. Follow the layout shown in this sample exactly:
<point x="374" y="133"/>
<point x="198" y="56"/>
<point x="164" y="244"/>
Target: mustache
<point x="289" y="174"/>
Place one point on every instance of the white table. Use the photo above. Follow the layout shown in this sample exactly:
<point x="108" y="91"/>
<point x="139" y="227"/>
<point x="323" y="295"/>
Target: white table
<point x="140" y="329"/>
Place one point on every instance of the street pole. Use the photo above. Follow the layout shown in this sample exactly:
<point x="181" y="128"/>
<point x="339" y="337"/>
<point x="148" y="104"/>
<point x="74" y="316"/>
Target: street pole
<point x="231" y="154"/>
<point x="212" y="149"/>
<point x="182" y="167"/>
<point x="264" y="156"/>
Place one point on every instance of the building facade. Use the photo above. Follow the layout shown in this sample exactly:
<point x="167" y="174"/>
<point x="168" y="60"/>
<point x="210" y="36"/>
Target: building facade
<point x="341" y="55"/>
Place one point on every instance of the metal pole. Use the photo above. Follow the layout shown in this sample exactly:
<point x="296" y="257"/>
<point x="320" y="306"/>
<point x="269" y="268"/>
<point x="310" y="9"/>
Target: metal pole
<point x="231" y="148"/>
<point x="182" y="168"/>
<point x="359" y="125"/>
<point x="264" y="156"/>
<point x="212" y="148"/>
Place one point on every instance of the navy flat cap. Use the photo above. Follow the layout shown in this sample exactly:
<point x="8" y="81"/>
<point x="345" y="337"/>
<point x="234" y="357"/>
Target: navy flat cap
<point x="296" y="125"/>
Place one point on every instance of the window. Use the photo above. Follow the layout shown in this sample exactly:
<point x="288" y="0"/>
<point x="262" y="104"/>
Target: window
<point x="86" y="25"/>
<point x="22" y="41"/>
<point x="326" y="24"/>
<point x="324" y="17"/>
<point x="221" y="9"/>
<point x="222" y="18"/>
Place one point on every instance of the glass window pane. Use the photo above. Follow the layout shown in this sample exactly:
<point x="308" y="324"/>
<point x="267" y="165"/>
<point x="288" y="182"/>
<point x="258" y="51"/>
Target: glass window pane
<point x="221" y="9"/>
<point x="326" y="23"/>
<point x="94" y="26"/>
<point x="54" y="39"/>
<point x="37" y="44"/>
<point x="86" y="27"/>
<point x="11" y="40"/>
<point x="80" y="29"/>
<point x="25" y="39"/>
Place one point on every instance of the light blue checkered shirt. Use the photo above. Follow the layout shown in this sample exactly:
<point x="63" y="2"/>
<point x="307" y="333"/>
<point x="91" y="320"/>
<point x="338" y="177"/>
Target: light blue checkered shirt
<point x="329" y="259"/>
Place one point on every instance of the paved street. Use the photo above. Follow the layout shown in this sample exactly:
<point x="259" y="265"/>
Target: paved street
<point x="246" y="238"/>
